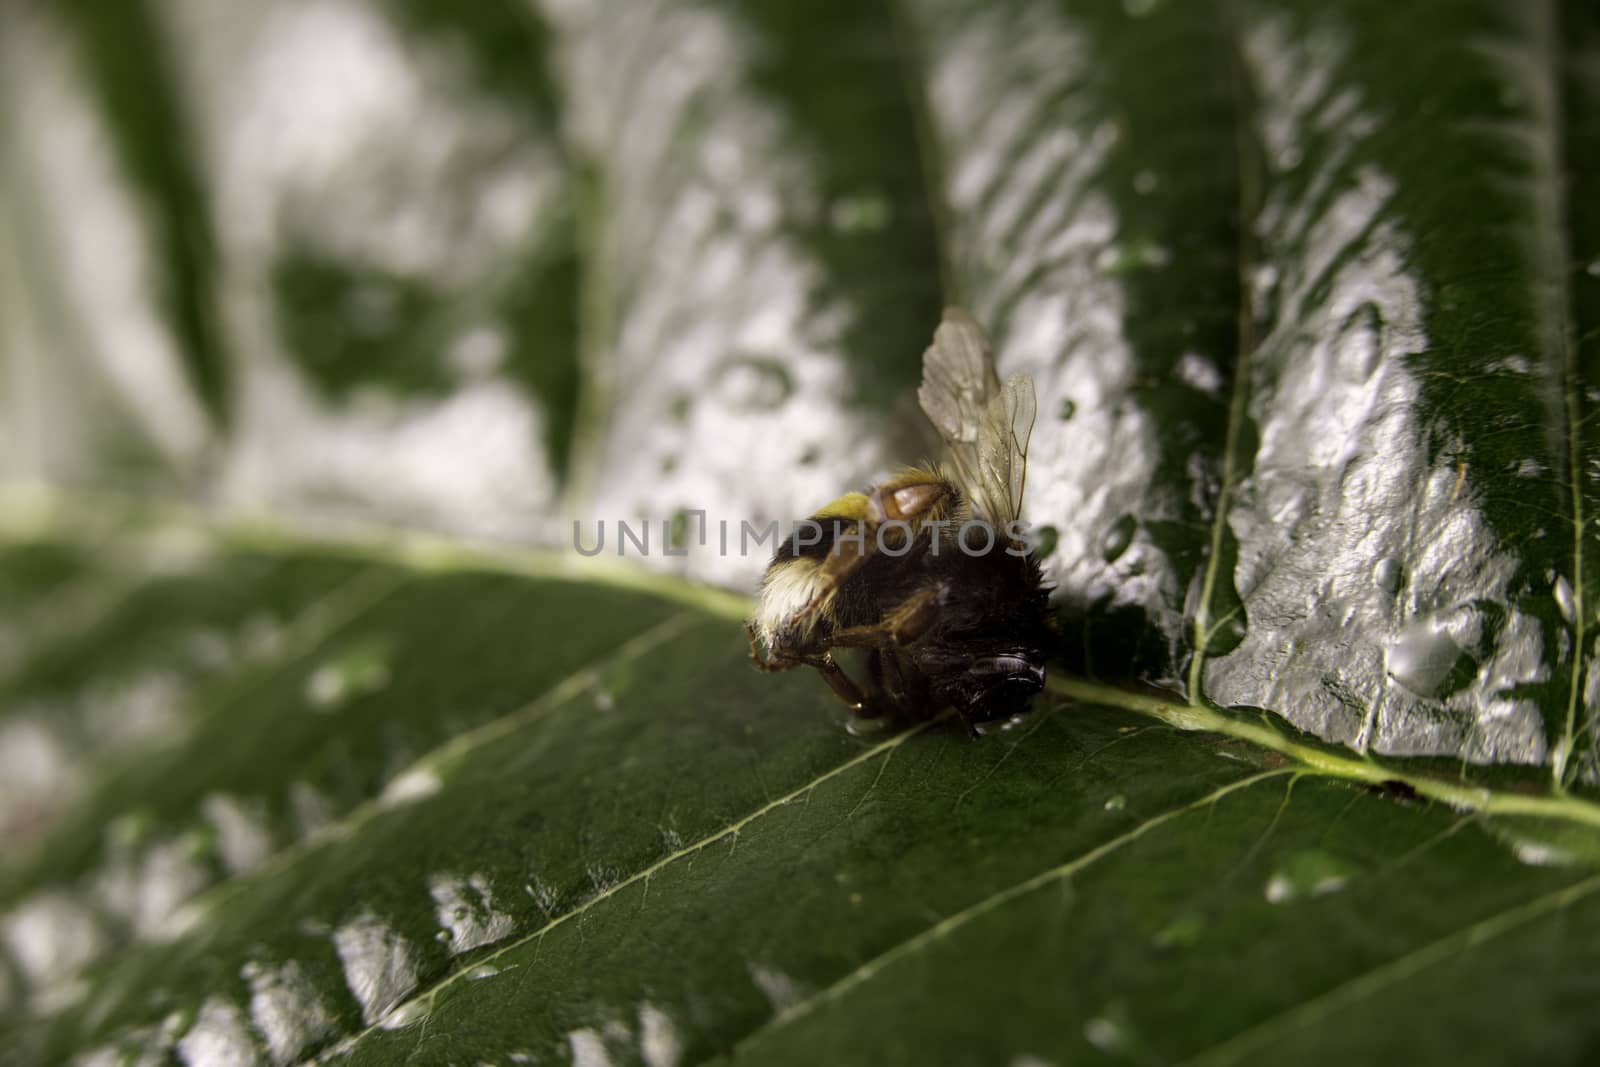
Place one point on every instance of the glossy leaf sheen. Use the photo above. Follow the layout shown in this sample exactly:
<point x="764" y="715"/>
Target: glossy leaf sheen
<point x="624" y="838"/>
<point x="1311" y="295"/>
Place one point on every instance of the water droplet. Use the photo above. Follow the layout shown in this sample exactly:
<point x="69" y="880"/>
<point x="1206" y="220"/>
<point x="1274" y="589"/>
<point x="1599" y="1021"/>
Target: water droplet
<point x="1564" y="600"/>
<point x="678" y="530"/>
<point x="754" y="383"/>
<point x="1144" y="182"/>
<point x="1116" y="803"/>
<point x="1386" y="574"/>
<point x="781" y="991"/>
<point x="1263" y="280"/>
<point x="1593" y="269"/>
<point x="1000" y="726"/>
<point x="1119" y="537"/>
<point x="1425" y="659"/>
<point x="356" y="672"/>
<point x="410" y="786"/>
<point x="1067" y="409"/>
<point x="1183" y="931"/>
<point x="243" y="835"/>
<point x="867" y="213"/>
<point x="1199" y="373"/>
<point x="1109" y="1031"/>
<point x="1541" y="854"/>
<point x="867" y="728"/>
<point x="1045" y="540"/>
<point x="1308" y="872"/>
<point x="478" y="351"/>
<point x="1135" y="255"/>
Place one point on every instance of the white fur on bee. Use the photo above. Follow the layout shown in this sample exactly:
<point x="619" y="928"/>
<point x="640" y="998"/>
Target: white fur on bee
<point x="787" y="588"/>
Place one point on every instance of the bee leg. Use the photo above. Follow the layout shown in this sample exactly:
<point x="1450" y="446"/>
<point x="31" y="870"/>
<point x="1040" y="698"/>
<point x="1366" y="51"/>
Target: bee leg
<point x="875" y="686"/>
<point x="843" y="688"/>
<point x="772" y="661"/>
<point x="840" y="563"/>
<point x="900" y="626"/>
<point x="781" y="656"/>
<point x="892" y="677"/>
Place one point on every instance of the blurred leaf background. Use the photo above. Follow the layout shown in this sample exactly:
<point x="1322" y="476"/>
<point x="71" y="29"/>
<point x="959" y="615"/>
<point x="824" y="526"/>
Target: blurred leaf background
<point x="321" y="321"/>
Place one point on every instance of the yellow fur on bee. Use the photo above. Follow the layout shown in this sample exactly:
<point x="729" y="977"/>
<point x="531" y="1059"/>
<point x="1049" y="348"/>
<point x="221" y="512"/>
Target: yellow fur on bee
<point x="852" y="506"/>
<point x="788" y="586"/>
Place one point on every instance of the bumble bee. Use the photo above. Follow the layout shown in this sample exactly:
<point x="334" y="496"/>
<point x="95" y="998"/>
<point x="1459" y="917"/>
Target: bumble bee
<point x="929" y="572"/>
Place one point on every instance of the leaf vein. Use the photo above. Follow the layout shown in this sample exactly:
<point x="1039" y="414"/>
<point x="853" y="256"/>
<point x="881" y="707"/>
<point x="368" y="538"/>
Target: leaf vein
<point x="688" y="851"/>
<point x="867" y="970"/>
<point x="1381" y="977"/>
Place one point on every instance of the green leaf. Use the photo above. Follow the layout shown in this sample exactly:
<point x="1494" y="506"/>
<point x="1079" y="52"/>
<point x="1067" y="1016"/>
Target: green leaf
<point x="322" y="321"/>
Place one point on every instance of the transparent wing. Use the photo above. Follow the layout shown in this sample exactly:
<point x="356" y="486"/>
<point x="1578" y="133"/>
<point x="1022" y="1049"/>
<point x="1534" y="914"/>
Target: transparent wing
<point x="985" y="425"/>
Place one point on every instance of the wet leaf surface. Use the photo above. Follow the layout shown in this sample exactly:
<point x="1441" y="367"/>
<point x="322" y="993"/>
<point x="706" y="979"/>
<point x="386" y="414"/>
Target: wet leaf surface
<point x="1311" y="297"/>
<point x="459" y="828"/>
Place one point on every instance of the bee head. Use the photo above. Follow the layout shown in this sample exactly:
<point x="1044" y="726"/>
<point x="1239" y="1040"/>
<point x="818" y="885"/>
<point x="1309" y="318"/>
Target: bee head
<point x="1000" y="685"/>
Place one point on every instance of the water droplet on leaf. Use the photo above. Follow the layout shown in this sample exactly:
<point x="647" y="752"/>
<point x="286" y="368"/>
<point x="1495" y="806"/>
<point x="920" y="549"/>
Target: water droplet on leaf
<point x="1427" y="660"/>
<point x="1564" y="600"/>
<point x="1309" y="872"/>
<point x="354" y="673"/>
<point x="1183" y="931"/>
<point x="1110" y="1032"/>
<point x="1119" y="537"/>
<point x="1386" y="574"/>
<point x="866" y="213"/>
<point x="754" y="383"/>
<point x="1045" y="540"/>
<point x="868" y="728"/>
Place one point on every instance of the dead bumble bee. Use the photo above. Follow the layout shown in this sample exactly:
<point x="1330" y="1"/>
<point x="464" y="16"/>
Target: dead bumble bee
<point x="930" y="572"/>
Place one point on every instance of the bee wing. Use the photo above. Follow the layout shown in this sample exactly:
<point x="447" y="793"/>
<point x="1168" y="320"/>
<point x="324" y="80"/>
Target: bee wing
<point x="985" y="425"/>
